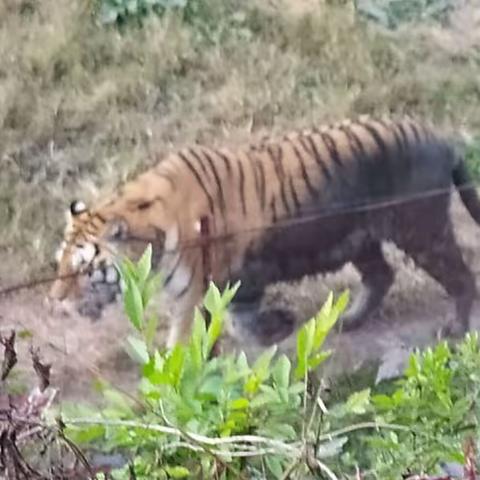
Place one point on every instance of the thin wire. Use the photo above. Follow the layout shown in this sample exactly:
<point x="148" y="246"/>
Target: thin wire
<point x="284" y="223"/>
<point x="37" y="282"/>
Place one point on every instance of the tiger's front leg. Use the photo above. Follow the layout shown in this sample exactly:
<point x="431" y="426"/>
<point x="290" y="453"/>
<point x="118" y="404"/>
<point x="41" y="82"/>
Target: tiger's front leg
<point x="181" y="321"/>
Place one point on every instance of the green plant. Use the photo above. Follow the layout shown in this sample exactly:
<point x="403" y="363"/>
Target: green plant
<point x="472" y="156"/>
<point x="210" y="21"/>
<point x="197" y="415"/>
<point x="431" y="412"/>
<point x="119" y="11"/>
<point x="393" y="13"/>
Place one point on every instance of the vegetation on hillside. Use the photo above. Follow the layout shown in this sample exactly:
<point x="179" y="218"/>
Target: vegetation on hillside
<point x="83" y="104"/>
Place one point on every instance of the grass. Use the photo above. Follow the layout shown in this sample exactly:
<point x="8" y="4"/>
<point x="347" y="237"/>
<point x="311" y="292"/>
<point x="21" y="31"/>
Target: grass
<point x="83" y="106"/>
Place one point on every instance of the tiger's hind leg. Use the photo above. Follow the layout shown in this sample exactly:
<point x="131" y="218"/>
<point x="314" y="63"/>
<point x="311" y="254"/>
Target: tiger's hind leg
<point x="442" y="259"/>
<point x="377" y="278"/>
<point x="248" y="317"/>
<point x="273" y="325"/>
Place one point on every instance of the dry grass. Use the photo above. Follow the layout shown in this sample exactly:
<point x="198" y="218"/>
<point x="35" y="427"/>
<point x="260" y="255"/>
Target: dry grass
<point x="81" y="106"/>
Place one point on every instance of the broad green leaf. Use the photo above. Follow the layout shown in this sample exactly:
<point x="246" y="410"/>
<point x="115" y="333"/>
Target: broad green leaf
<point x="383" y="401"/>
<point x="127" y="270"/>
<point x="413" y="368"/>
<point x="304" y="347"/>
<point x="281" y="372"/>
<point x="262" y="363"/>
<point x="297" y="387"/>
<point x="358" y="402"/>
<point x="212" y="300"/>
<point x="315" y="360"/>
<point x="239" y="404"/>
<point x="229" y="293"/>
<point x="440" y="410"/>
<point x="211" y="386"/>
<point x="274" y="465"/>
<point x="177" y="472"/>
<point x="326" y="309"/>
<point x="137" y="350"/>
<point x="132" y="300"/>
<point x="152" y="286"/>
<point x="242" y="363"/>
<point x="153" y="370"/>
<point x="342" y="302"/>
<point x="239" y="417"/>
<point x="87" y="434"/>
<point x="251" y="384"/>
<point x="460" y="409"/>
<point x="226" y="428"/>
<point x="144" y="265"/>
<point x="445" y="399"/>
<point x="236" y="369"/>
<point x="328" y="317"/>
<point x="174" y="364"/>
<point x="197" y="339"/>
<point x="214" y="330"/>
<point x="263" y="399"/>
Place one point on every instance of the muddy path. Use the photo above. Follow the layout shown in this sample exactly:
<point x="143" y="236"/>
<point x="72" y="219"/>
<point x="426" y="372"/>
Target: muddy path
<point x="80" y="350"/>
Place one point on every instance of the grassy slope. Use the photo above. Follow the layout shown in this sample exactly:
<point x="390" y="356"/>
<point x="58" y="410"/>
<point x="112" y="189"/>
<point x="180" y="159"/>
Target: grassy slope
<point x="81" y="107"/>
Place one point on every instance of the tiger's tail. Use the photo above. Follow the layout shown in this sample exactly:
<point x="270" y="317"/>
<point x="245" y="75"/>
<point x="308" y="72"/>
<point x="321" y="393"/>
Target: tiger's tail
<point x="464" y="183"/>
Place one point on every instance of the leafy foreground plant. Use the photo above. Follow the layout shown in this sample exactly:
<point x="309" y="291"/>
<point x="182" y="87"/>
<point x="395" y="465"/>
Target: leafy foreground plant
<point x="431" y="414"/>
<point x="219" y="417"/>
<point x="200" y="417"/>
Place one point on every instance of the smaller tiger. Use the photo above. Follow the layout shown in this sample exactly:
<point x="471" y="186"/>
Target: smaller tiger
<point x="303" y="204"/>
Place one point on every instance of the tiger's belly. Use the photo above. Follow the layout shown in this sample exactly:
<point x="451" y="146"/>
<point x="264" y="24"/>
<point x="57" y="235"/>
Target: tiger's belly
<point x="293" y="252"/>
<point x="327" y="243"/>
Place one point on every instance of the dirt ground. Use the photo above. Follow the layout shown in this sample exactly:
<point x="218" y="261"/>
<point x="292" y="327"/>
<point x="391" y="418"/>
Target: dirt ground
<point x="80" y="349"/>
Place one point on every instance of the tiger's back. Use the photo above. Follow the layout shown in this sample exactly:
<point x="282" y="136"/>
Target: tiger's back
<point x="344" y="165"/>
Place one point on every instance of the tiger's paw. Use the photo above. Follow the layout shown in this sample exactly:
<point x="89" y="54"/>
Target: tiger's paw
<point x="103" y="287"/>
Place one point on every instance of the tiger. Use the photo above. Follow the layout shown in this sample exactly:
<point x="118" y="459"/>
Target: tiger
<point x="281" y="209"/>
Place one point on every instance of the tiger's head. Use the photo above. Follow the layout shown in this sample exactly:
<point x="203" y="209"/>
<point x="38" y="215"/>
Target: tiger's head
<point x="86" y="259"/>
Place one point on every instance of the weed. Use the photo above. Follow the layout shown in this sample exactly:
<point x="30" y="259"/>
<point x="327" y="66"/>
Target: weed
<point x="198" y="415"/>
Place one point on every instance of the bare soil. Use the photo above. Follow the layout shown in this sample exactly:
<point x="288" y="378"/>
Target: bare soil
<point x="81" y="350"/>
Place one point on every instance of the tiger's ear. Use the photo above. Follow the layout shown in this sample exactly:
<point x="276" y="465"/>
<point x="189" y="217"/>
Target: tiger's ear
<point x="117" y="229"/>
<point x="77" y="207"/>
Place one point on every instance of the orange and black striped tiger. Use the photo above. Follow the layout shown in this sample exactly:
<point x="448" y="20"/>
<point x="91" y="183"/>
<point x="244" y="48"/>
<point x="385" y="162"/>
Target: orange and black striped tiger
<point x="303" y="204"/>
